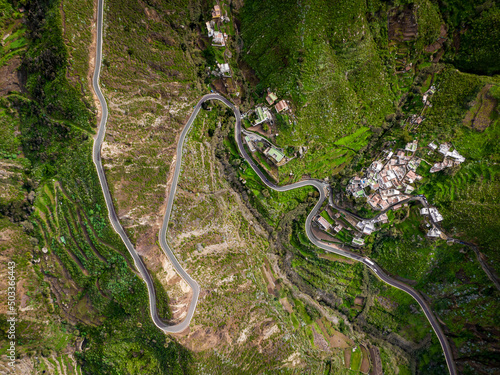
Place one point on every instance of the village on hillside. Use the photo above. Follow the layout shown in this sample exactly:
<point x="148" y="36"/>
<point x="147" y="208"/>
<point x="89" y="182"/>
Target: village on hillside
<point x="387" y="184"/>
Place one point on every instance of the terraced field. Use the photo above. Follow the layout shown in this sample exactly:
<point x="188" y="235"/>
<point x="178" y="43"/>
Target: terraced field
<point x="469" y="201"/>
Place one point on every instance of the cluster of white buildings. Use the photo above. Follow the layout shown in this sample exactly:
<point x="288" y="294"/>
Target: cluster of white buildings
<point x="368" y="226"/>
<point x="451" y="158"/>
<point x="218" y="38"/>
<point x="390" y="178"/>
<point x="433" y="213"/>
<point x="224" y="69"/>
<point x="436" y="217"/>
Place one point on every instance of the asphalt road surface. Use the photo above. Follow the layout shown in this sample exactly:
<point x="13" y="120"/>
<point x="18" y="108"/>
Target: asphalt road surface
<point x="322" y="187"/>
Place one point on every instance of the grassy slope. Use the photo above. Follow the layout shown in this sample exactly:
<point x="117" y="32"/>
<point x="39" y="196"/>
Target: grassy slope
<point x="151" y="61"/>
<point x="475" y="23"/>
<point x="328" y="68"/>
<point x="209" y="213"/>
<point x="18" y="245"/>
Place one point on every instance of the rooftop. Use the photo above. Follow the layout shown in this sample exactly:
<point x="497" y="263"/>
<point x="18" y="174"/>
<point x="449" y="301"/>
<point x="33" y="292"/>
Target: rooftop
<point x="275" y="154"/>
<point x="216" y="11"/>
<point x="220" y="38"/>
<point x="358" y="241"/>
<point x="281" y="106"/>
<point x="271" y="98"/>
<point x="323" y="222"/>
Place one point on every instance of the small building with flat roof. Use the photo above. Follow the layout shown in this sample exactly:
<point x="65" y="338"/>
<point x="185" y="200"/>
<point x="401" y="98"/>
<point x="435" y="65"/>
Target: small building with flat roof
<point x="210" y="29"/>
<point x="271" y="98"/>
<point x="435" y="215"/>
<point x="358" y="241"/>
<point x="224" y="69"/>
<point x="219" y="39"/>
<point x="338" y="228"/>
<point x="383" y="218"/>
<point x="275" y="154"/>
<point x="262" y="115"/>
<point x="434" y="233"/>
<point x="444" y="148"/>
<point x="412" y="146"/>
<point x="216" y="12"/>
<point x="323" y="223"/>
<point x="249" y="143"/>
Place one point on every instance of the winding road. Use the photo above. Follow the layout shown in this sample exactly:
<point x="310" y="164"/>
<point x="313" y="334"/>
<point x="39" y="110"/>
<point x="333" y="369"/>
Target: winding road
<point x="322" y="187"/>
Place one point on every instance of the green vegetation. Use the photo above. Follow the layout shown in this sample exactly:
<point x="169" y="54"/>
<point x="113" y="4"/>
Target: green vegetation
<point x="451" y="102"/>
<point x="88" y="269"/>
<point x="356" y="358"/>
<point x="476" y="24"/>
<point x="352" y="78"/>
<point x="269" y="203"/>
<point x="333" y="75"/>
<point x="327" y="217"/>
<point x="480" y="45"/>
<point x="153" y="71"/>
<point x="469" y="200"/>
<point x="403" y="248"/>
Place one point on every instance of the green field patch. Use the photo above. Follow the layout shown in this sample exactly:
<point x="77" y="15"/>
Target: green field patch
<point x="355" y="140"/>
<point x="356" y="358"/>
<point x="327" y="217"/>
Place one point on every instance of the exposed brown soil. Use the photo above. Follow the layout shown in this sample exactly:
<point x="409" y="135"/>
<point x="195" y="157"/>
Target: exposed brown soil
<point x="260" y="130"/>
<point x="480" y="118"/>
<point x="483" y="117"/>
<point x="376" y="361"/>
<point x="322" y="235"/>
<point x="347" y="357"/>
<point x="271" y="285"/>
<point x="219" y="86"/>
<point x="438" y="56"/>
<point x="438" y="43"/>
<point x="359" y="300"/>
<point x="284" y="302"/>
<point x="365" y="364"/>
<point x="319" y="341"/>
<point x="337" y="339"/>
<point x="10" y="77"/>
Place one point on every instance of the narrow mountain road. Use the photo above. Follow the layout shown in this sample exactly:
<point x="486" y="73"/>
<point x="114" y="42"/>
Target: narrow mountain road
<point x="96" y="155"/>
<point x="322" y="187"/>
